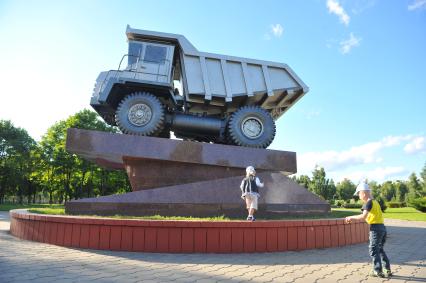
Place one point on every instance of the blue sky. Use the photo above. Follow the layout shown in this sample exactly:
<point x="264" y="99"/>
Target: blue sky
<point x="364" y="61"/>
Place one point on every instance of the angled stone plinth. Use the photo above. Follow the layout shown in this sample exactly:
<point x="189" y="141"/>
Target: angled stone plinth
<point x="208" y="198"/>
<point x="157" y="162"/>
<point x="183" y="178"/>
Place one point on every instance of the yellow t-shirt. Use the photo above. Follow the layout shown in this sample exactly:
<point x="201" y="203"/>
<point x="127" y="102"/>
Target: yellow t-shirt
<point x="375" y="215"/>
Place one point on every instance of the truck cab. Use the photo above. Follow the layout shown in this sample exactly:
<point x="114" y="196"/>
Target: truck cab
<point x="150" y="61"/>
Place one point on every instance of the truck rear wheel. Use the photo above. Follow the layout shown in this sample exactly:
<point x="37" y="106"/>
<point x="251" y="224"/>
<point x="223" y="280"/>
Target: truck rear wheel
<point x="140" y="113"/>
<point x="251" y="126"/>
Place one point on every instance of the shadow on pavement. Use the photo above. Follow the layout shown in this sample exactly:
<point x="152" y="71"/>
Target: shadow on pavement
<point x="405" y="248"/>
<point x="4" y="216"/>
<point x="407" y="278"/>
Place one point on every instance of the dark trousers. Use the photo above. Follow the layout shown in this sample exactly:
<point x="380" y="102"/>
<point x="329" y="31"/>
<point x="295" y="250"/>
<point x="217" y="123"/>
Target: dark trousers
<point x="378" y="255"/>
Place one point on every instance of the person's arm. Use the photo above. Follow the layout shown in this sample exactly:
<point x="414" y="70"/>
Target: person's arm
<point x="365" y="210"/>
<point x="242" y="185"/>
<point x="258" y="183"/>
<point x="363" y="216"/>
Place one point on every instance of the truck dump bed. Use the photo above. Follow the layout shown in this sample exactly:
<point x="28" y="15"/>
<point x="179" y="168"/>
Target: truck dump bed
<point x="232" y="81"/>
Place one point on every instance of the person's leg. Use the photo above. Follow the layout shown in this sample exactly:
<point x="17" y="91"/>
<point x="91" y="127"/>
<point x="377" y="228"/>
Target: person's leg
<point x="253" y="206"/>
<point x="374" y="249"/>
<point x="248" y="205"/>
<point x="383" y="256"/>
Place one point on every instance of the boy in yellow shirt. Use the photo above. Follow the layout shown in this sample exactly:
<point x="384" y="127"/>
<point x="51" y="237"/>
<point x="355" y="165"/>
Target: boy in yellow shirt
<point x="372" y="214"/>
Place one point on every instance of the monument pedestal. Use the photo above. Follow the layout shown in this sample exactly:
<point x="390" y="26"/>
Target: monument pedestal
<point x="183" y="178"/>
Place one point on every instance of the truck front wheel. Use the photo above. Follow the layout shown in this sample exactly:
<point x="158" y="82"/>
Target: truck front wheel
<point x="251" y="126"/>
<point x="140" y="113"/>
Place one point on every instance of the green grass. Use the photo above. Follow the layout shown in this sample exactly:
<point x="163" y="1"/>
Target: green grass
<point x="61" y="211"/>
<point x="343" y="212"/>
<point x="58" y="209"/>
<point x="405" y="213"/>
<point x="48" y="210"/>
<point x="8" y="206"/>
<point x="333" y="214"/>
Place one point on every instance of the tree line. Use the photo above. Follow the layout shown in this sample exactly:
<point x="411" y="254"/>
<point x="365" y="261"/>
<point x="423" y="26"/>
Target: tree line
<point x="36" y="171"/>
<point x="402" y="191"/>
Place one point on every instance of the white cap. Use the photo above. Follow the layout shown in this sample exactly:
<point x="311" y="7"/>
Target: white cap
<point x="250" y="170"/>
<point x="362" y="187"/>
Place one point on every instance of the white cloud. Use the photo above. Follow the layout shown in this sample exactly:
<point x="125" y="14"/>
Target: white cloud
<point x="417" y="145"/>
<point x="333" y="160"/>
<point x="277" y="30"/>
<point x="417" y="5"/>
<point x="395" y="140"/>
<point x="378" y="174"/>
<point x="335" y="8"/>
<point x="347" y="45"/>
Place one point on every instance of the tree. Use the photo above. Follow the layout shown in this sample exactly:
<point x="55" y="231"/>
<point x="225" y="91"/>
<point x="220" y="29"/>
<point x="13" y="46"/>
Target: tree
<point x="423" y="177"/>
<point x="59" y="162"/>
<point x="34" y="178"/>
<point x="375" y="189"/>
<point x="388" y="191"/>
<point x="68" y="176"/>
<point x="401" y="191"/>
<point x="85" y="171"/>
<point x="345" y="189"/>
<point x="320" y="185"/>
<point x="304" y="181"/>
<point x="414" y="187"/>
<point x="331" y="194"/>
<point x="15" y="164"/>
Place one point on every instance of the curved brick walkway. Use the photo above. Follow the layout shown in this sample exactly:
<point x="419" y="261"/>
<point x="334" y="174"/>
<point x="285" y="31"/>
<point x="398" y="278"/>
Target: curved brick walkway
<point x="24" y="261"/>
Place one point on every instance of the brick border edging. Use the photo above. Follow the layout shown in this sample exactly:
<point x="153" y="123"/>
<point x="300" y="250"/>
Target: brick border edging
<point x="186" y="236"/>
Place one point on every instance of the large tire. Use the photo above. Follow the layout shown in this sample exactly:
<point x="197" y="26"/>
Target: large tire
<point x="251" y="126"/>
<point x="140" y="113"/>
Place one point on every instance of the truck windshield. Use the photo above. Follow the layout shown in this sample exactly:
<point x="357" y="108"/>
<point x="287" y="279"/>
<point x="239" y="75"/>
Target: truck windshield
<point x="155" y="54"/>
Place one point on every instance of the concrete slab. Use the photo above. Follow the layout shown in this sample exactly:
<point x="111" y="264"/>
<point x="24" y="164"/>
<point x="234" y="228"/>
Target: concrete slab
<point x="20" y="260"/>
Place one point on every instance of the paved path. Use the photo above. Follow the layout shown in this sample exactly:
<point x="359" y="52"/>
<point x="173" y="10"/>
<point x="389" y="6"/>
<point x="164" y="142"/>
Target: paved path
<point x="25" y="261"/>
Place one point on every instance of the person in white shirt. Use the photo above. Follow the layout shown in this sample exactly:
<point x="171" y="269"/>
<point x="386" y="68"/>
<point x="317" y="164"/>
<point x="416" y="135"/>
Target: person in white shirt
<point x="250" y="191"/>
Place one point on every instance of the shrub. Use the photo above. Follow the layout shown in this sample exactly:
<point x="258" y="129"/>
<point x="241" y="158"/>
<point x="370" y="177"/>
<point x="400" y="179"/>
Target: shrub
<point x="419" y="204"/>
<point x="339" y="202"/>
<point x="396" y="204"/>
<point x="352" y="205"/>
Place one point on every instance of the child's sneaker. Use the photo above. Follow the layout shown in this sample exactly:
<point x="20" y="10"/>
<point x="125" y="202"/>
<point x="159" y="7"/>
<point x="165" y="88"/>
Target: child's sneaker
<point x="387" y="272"/>
<point x="250" y="218"/>
<point x="374" y="273"/>
<point x="253" y="219"/>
